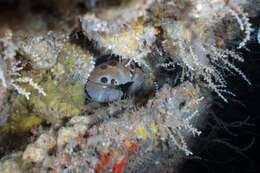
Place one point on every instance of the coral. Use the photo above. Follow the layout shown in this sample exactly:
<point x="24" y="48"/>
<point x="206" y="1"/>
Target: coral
<point x="34" y="154"/>
<point x="192" y="40"/>
<point x="10" y="71"/>
<point x="111" y="145"/>
<point x="189" y="33"/>
<point x="43" y="51"/>
<point x="4" y="104"/>
<point x="167" y="117"/>
<point x="9" y="166"/>
<point x="65" y="135"/>
<point x="128" y="36"/>
<point x="181" y="50"/>
<point x="19" y="123"/>
<point x="244" y="24"/>
<point x="258" y="36"/>
<point x="8" y="51"/>
<point x="56" y="105"/>
<point x="76" y="62"/>
<point x="37" y="151"/>
<point x="64" y="98"/>
<point x="58" y="100"/>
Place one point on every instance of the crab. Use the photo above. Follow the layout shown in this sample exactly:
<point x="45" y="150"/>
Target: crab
<point x="112" y="80"/>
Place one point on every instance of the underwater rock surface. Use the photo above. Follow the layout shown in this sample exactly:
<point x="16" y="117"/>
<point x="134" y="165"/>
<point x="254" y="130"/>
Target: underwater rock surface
<point x="76" y="111"/>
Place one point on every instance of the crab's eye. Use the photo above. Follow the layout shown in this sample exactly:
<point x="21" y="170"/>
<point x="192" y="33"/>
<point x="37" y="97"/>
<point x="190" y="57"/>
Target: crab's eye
<point x="113" y="82"/>
<point x="104" y="80"/>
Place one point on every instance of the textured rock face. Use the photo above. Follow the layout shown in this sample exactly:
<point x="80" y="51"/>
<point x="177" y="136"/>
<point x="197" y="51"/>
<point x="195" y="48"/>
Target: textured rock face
<point x="123" y="139"/>
<point x="182" y="48"/>
<point x="39" y="150"/>
<point x="10" y="166"/>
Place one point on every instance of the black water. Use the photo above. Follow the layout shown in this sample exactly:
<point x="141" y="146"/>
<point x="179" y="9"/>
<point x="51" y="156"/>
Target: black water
<point x="230" y="142"/>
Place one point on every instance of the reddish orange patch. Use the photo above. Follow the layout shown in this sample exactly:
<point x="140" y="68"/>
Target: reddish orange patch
<point x="131" y="147"/>
<point x="119" y="166"/>
<point x="220" y="44"/>
<point x="190" y="94"/>
<point x="104" y="161"/>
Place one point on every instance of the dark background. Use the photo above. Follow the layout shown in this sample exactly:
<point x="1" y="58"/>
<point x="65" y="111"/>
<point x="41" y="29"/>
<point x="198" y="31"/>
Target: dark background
<point x="229" y="144"/>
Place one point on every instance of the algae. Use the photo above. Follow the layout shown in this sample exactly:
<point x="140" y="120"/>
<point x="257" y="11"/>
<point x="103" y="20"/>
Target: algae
<point x="64" y="87"/>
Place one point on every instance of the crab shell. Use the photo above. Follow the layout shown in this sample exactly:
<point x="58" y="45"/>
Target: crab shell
<point x="102" y="94"/>
<point x="138" y="80"/>
<point x="104" y="79"/>
<point x="111" y="73"/>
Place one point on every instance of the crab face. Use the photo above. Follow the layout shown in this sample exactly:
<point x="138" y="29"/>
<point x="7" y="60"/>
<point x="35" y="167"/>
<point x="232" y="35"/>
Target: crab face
<point x="108" y="79"/>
